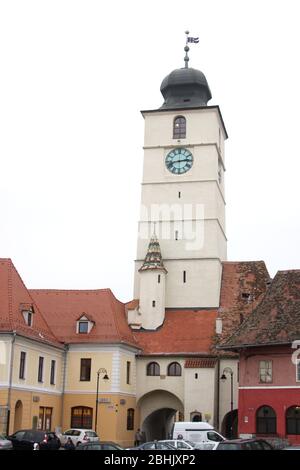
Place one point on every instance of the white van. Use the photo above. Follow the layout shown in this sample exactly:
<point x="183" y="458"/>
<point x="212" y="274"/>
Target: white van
<point x="195" y="431"/>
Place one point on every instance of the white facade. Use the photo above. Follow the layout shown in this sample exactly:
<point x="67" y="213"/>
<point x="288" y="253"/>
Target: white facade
<point x="189" y="208"/>
<point x="152" y="298"/>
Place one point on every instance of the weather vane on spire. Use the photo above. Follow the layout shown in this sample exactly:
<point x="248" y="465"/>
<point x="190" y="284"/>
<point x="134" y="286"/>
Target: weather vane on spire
<point x="186" y="48"/>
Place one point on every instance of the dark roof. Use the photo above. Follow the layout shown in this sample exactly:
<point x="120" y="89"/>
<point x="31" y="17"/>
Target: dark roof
<point x="185" y="88"/>
<point x="276" y="319"/>
<point x="244" y="283"/>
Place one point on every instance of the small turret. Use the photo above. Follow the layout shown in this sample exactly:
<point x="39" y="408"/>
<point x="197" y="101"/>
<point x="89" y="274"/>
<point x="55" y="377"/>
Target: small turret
<point x="152" y="287"/>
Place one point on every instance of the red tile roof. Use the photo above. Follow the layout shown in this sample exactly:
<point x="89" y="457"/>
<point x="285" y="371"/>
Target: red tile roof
<point x="14" y="297"/>
<point x="200" y="363"/>
<point x="183" y="331"/>
<point x="62" y="308"/>
<point x="277" y="318"/>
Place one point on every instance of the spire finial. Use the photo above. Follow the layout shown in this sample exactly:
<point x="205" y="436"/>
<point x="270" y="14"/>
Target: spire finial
<point x="186" y="48"/>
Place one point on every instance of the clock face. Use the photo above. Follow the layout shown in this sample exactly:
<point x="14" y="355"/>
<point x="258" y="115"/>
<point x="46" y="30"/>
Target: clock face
<point x="179" y="161"/>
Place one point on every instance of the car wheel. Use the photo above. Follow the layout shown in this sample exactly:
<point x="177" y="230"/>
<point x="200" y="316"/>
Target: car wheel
<point x="78" y="444"/>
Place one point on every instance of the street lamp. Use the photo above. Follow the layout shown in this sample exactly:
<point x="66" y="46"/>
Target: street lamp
<point x="228" y="370"/>
<point x="105" y="377"/>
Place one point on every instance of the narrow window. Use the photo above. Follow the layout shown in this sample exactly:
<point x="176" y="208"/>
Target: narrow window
<point x="128" y="372"/>
<point x="153" y="303"/>
<point x="52" y="373"/>
<point x="184" y="276"/>
<point x="41" y="369"/>
<point x="179" y="194"/>
<point x="130" y="419"/>
<point x="179" y="128"/>
<point x="85" y="370"/>
<point x="176" y="234"/>
<point x="83" y="327"/>
<point x="158" y="279"/>
<point x="22" y="365"/>
<point x="29" y="319"/>
<point x="196" y="376"/>
<point x="265" y="371"/>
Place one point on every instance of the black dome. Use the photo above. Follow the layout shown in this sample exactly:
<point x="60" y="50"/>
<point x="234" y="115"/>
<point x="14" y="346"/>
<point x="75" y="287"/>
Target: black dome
<point x="185" y="88"/>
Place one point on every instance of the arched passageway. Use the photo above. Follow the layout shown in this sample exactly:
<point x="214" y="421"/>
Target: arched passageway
<point x="157" y="410"/>
<point x="230" y="425"/>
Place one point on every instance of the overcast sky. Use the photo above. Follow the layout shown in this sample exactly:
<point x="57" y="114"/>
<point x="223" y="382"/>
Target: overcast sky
<point x="74" y="77"/>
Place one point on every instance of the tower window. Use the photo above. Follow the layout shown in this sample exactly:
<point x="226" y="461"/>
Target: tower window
<point x="153" y="303"/>
<point x="176" y="234"/>
<point x="158" y="279"/>
<point x="179" y="128"/>
<point x="184" y="276"/>
<point x="196" y="376"/>
<point x="179" y="194"/>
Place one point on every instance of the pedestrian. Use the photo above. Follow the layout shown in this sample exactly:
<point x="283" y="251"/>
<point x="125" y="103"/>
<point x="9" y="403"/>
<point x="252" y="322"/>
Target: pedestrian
<point x="69" y="444"/>
<point x="138" y="438"/>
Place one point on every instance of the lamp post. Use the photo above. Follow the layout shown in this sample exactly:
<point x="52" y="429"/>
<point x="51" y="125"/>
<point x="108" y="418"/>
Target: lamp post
<point x="228" y="370"/>
<point x="105" y="377"/>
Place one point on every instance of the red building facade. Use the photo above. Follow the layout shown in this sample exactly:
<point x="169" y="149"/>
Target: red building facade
<point x="269" y="393"/>
<point x="268" y="343"/>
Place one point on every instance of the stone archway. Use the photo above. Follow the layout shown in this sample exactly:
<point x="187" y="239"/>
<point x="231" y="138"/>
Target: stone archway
<point x="158" y="409"/>
<point x="18" y="415"/>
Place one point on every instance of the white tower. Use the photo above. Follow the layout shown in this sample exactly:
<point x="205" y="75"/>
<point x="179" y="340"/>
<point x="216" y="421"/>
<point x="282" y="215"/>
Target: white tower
<point x="183" y="192"/>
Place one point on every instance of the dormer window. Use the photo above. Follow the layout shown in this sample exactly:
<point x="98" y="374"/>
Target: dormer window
<point x="83" y="327"/>
<point x="84" y="324"/>
<point x="27" y="312"/>
<point x="29" y="318"/>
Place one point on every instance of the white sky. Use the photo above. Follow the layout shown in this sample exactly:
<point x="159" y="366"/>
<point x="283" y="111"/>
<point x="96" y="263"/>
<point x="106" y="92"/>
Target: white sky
<point x="74" y="76"/>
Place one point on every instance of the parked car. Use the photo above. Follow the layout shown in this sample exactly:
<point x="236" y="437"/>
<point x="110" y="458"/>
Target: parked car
<point x="153" y="445"/>
<point x="79" y="436"/>
<point x="100" y="445"/>
<point x="27" y="439"/>
<point x="196" y="431"/>
<point x="5" y="444"/>
<point x="181" y="444"/>
<point x="244" y="444"/>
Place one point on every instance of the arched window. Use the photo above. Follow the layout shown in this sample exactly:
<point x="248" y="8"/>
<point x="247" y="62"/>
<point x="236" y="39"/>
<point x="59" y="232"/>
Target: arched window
<point x="130" y="419"/>
<point x="153" y="368"/>
<point x="174" y="369"/>
<point x="179" y="128"/>
<point x="82" y="417"/>
<point x="265" y="420"/>
<point x="293" y="420"/>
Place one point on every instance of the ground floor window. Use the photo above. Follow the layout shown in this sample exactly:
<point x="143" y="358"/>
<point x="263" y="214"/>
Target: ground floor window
<point x="45" y="418"/>
<point x="265" y="420"/>
<point x="130" y="419"/>
<point x="82" y="417"/>
<point x="293" y="420"/>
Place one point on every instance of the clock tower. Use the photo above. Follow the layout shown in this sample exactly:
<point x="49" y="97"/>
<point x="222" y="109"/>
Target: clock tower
<point x="183" y="197"/>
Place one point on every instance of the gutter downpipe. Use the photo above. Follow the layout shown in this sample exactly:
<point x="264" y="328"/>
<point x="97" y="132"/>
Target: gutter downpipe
<point x="11" y="366"/>
<point x="66" y="349"/>
<point x="218" y="396"/>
